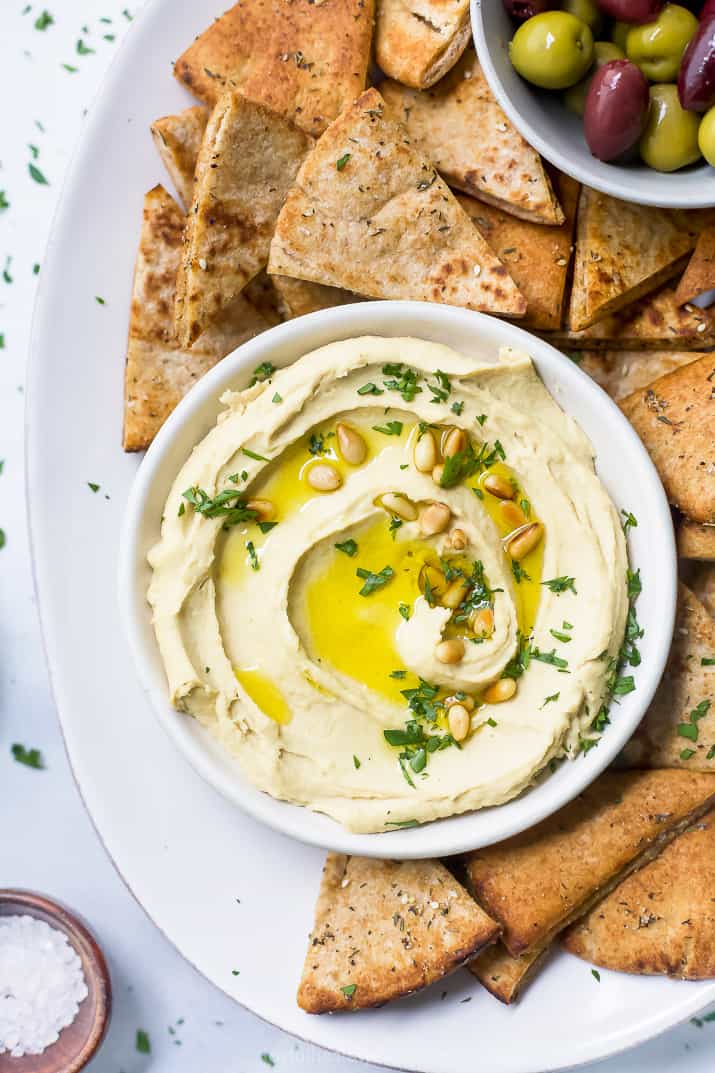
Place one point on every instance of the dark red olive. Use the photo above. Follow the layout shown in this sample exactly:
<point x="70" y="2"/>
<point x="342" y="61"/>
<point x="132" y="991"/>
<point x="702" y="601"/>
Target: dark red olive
<point x="696" y="78"/>
<point x="616" y="109"/>
<point x="521" y="10"/>
<point x="707" y="10"/>
<point x="637" y="11"/>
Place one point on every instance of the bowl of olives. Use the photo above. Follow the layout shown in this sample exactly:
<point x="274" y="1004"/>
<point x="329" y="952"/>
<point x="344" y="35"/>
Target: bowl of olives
<point x="619" y="94"/>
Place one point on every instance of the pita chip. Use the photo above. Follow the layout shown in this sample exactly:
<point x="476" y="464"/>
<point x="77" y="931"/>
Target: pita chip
<point x="621" y="372"/>
<point x="384" y="929"/>
<point x="248" y="159"/>
<point x="505" y="976"/>
<point x="696" y="541"/>
<point x="369" y="214"/>
<point x="701" y="579"/>
<point x="539" y="881"/>
<point x="178" y="140"/>
<point x="675" y="418"/>
<point x="678" y="730"/>
<point x="158" y="371"/>
<point x="661" y="920"/>
<point x="537" y="257"/>
<point x="463" y="131"/>
<point x="623" y="251"/>
<point x="418" y="41"/>
<point x="699" y="276"/>
<point x="299" y="296"/>
<point x="304" y="60"/>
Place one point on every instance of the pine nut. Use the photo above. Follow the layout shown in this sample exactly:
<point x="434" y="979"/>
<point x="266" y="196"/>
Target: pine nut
<point x="453" y="442"/>
<point x="437" y="473"/>
<point x="451" y="651"/>
<point x="468" y="702"/>
<point x="455" y="593"/>
<point x="434" y="518"/>
<point x="458" y="722"/>
<point x="425" y="453"/>
<point x="499" y="486"/>
<point x="500" y="691"/>
<point x="395" y="503"/>
<point x="351" y="444"/>
<point x="324" y="477"/>
<point x="482" y="622"/>
<point x="525" y="541"/>
<point x="265" y="510"/>
<point x="512" y="514"/>
<point x="432" y="578"/>
<point x="457" y="539"/>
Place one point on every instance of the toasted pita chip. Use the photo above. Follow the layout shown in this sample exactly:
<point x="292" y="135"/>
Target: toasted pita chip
<point x="536" y="256"/>
<point x="656" y="322"/>
<point x="661" y="920"/>
<point x="248" y="159"/>
<point x="505" y="976"/>
<point x="386" y="928"/>
<point x="678" y="730"/>
<point x="178" y="139"/>
<point x="299" y="296"/>
<point x="369" y="214"/>
<point x="675" y="419"/>
<point x="621" y="372"/>
<point x="701" y="579"/>
<point x="463" y="131"/>
<point x="699" y="276"/>
<point x="158" y="372"/>
<point x="538" y="882"/>
<point x="623" y="251"/>
<point x="303" y="59"/>
<point x="696" y="541"/>
<point x="418" y="41"/>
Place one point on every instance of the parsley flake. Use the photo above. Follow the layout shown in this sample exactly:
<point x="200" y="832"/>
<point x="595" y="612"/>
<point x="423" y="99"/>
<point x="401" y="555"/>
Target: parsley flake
<point x="143" y="1043"/>
<point x="561" y="584"/>
<point x="374" y="581"/>
<point x="342" y="161"/>
<point x="392" y="428"/>
<point x="37" y="175"/>
<point x="348" y="547"/>
<point x="29" y="757"/>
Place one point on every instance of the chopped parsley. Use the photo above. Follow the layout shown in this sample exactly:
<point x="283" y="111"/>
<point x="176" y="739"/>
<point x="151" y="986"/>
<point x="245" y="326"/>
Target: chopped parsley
<point x="550" y="699"/>
<point x="404" y="610"/>
<point x="143" y="1043"/>
<point x="548" y="657"/>
<point x="398" y="674"/>
<point x="480" y="419"/>
<point x="229" y="504"/>
<point x="253" y="455"/>
<point x="94" y="487"/>
<point x="349" y="990"/>
<point x="520" y="574"/>
<point x="35" y="172"/>
<point x="629" y="520"/>
<point x="687" y="754"/>
<point x="402" y="379"/>
<point x="561" y="635"/>
<point x="392" y="428"/>
<point x="4" y="203"/>
<point x="277" y="398"/>
<point x="268" y="1059"/>
<point x="596" y="975"/>
<point x="82" y="49"/>
<point x="441" y="389"/>
<point x="43" y="21"/>
<point x="467" y="462"/>
<point x="316" y="445"/>
<point x="373" y="581"/>
<point x="690" y="729"/>
<point x="262" y="372"/>
<point x="348" y="547"/>
<point x="370" y="389"/>
<point x="457" y="408"/>
<point x="99" y="300"/>
<point x="340" y="164"/>
<point x="356" y="762"/>
<point x="252" y="555"/>
<point x="706" y="661"/>
<point x="29" y="757"/>
<point x="525" y="506"/>
<point x="395" y="524"/>
<point x="561" y="584"/>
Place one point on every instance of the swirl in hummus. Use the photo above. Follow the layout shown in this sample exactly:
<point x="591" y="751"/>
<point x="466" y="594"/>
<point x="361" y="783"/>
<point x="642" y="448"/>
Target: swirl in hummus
<point x="390" y="582"/>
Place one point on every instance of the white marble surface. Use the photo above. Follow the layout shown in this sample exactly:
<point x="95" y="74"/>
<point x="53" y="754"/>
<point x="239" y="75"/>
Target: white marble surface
<point x="48" y="842"/>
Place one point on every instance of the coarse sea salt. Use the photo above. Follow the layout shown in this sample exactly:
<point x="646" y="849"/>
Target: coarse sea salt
<point x="41" y="985"/>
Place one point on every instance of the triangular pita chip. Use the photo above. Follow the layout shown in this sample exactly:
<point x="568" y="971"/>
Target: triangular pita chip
<point x="463" y="131"/>
<point x="158" y="372"/>
<point x="701" y="579"/>
<point x="305" y="59"/>
<point x="369" y="214"/>
<point x="675" y="419"/>
<point x="248" y="159"/>
<point x="661" y="920"/>
<point x="299" y="296"/>
<point x="623" y="251"/>
<point x="621" y="372"/>
<point x="178" y="139"/>
<point x="536" y="256"/>
<point x="417" y="41"/>
<point x="538" y="882"/>
<point x="505" y="976"/>
<point x="386" y="928"/>
<point x="678" y="730"/>
<point x="696" y="541"/>
<point x="699" y="276"/>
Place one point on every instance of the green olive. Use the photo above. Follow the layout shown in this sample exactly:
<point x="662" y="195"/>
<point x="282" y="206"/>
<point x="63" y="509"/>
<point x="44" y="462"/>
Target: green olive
<point x="670" y="138"/>
<point x="575" y="96"/>
<point x="553" y="50"/>
<point x="706" y="136"/>
<point x="619" y="33"/>
<point x="587" y="11"/>
<point x="657" y="47"/>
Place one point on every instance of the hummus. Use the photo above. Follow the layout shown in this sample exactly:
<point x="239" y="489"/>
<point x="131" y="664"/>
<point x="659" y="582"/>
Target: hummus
<point x="390" y="582"/>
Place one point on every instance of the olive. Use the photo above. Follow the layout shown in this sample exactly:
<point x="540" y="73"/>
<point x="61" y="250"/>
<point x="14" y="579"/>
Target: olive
<point x="708" y="9"/>
<point x="616" y="109"/>
<point x="706" y="136"/>
<point x="619" y="33"/>
<point x="633" y="11"/>
<point x="657" y="47"/>
<point x="586" y="11"/>
<point x="604" y="52"/>
<point x="670" y="138"/>
<point x="696" y="78"/>
<point x="553" y="50"/>
<point x="526" y="9"/>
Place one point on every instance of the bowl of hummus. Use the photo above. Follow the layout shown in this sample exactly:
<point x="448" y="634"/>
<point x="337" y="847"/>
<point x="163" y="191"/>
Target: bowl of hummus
<point x="399" y="579"/>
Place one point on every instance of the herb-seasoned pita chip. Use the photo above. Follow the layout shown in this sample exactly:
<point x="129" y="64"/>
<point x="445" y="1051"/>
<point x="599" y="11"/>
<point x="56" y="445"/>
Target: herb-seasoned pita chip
<point x="386" y="928"/>
<point x="463" y="131"/>
<point x="248" y="159"/>
<point x="656" y="322"/>
<point x="178" y="139"/>
<point x="623" y="251"/>
<point x="537" y="257"/>
<point x="505" y="976"/>
<point x="699" y="276"/>
<point x="299" y="296"/>
<point x="696" y="541"/>
<point x="621" y="372"/>
<point x="675" y="419"/>
<point x="418" y="41"/>
<point x="678" y="730"/>
<point x="367" y="213"/>
<point x="661" y="920"/>
<point x="538" y="882"/>
<point x="158" y="372"/>
<point x="303" y="59"/>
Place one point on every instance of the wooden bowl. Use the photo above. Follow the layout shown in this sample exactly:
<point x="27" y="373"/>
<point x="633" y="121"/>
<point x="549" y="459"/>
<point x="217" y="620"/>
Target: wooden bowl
<point x="80" y="1040"/>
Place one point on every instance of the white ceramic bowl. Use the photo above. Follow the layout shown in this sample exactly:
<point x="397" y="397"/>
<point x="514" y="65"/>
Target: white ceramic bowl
<point x="548" y="125"/>
<point x="623" y="465"/>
